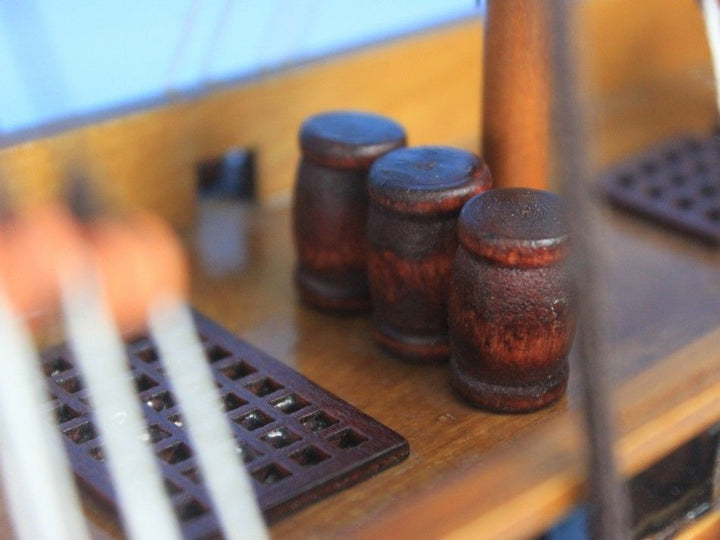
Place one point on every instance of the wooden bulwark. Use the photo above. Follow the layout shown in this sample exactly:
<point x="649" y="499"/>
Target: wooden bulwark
<point x="431" y="83"/>
<point x="493" y="500"/>
<point x="428" y="82"/>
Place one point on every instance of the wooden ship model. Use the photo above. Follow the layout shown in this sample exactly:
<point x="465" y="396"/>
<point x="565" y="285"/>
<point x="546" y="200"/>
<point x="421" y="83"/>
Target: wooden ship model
<point x="645" y="77"/>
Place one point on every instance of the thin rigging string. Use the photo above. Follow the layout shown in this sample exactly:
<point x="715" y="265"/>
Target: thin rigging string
<point x="40" y="72"/>
<point x="181" y="46"/>
<point x="30" y="55"/>
<point x="144" y="505"/>
<point x="291" y="40"/>
<point x="711" y="15"/>
<point x="211" y="50"/>
<point x="286" y="29"/>
<point x="609" y="504"/>
<point x="171" y="324"/>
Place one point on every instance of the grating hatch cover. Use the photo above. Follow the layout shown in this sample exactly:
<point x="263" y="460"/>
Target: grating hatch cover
<point x="298" y="442"/>
<point x="677" y="184"/>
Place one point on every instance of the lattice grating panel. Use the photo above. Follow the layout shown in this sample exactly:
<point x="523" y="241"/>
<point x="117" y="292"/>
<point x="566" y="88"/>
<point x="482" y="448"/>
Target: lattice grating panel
<point x="677" y="184"/>
<point x="299" y="442"/>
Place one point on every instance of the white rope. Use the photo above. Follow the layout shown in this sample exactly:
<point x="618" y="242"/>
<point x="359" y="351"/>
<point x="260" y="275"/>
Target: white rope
<point x="144" y="505"/>
<point x="711" y="14"/>
<point x="43" y="498"/>
<point x="222" y="468"/>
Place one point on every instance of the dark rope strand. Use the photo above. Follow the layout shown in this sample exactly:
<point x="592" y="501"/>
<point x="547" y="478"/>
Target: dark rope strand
<point x="609" y="504"/>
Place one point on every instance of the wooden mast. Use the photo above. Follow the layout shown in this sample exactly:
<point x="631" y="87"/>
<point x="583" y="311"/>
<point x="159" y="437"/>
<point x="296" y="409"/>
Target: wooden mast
<point x="516" y="81"/>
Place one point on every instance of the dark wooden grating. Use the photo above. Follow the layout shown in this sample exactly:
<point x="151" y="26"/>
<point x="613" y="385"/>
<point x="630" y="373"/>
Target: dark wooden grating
<point x="299" y="442"/>
<point x="677" y="184"/>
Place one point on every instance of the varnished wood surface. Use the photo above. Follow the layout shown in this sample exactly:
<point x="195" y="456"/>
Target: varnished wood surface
<point x="663" y="294"/>
<point x="509" y="475"/>
<point x="339" y="354"/>
<point x="663" y="291"/>
<point x="516" y="93"/>
<point x="147" y="156"/>
<point x="139" y="158"/>
<point x="707" y="528"/>
<point x="522" y="471"/>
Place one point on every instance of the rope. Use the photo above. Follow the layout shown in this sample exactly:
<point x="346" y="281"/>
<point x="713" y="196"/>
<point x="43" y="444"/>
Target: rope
<point x="608" y="512"/>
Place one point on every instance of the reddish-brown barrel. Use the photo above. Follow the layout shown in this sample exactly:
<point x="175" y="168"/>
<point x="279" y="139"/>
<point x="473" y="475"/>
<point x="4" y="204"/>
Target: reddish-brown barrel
<point x="331" y="202"/>
<point x="415" y="197"/>
<point x="510" y="304"/>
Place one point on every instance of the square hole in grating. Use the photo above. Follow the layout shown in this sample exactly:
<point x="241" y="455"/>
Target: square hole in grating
<point x="177" y="419"/>
<point x="280" y="437"/>
<point x="708" y="190"/>
<point x="713" y="214"/>
<point x="189" y="510"/>
<point x="97" y="453"/>
<point x="193" y="475"/>
<point x="231" y="402"/>
<point x="238" y="370"/>
<point x="81" y="434"/>
<point x="148" y="355"/>
<point x="215" y="353"/>
<point x="171" y="488"/>
<point x="246" y="452"/>
<point x="63" y="414"/>
<point x="154" y="433"/>
<point x="347" y="438"/>
<point x="253" y="420"/>
<point x="309" y="456"/>
<point x="71" y="385"/>
<point x="270" y="474"/>
<point x="56" y="366"/>
<point x="175" y="454"/>
<point x="145" y="383"/>
<point x="318" y="421"/>
<point x="160" y="402"/>
<point x="264" y="386"/>
<point x="290" y="403"/>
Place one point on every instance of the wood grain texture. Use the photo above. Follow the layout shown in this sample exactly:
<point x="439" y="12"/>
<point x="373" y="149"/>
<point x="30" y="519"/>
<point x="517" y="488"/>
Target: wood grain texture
<point x="664" y="289"/>
<point x="143" y="157"/>
<point x="496" y="500"/>
<point x="665" y="292"/>
<point x="516" y="93"/>
<point x="707" y="528"/>
<point x="660" y="409"/>
<point x="646" y="72"/>
<point x="523" y="478"/>
<point x="634" y="43"/>
<point x="511" y="306"/>
<point x="430" y="83"/>
<point x="299" y="442"/>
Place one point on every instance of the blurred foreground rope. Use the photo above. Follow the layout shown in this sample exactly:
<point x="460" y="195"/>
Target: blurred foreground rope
<point x="608" y="501"/>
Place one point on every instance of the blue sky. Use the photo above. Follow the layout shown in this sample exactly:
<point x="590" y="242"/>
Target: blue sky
<point x="61" y="59"/>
